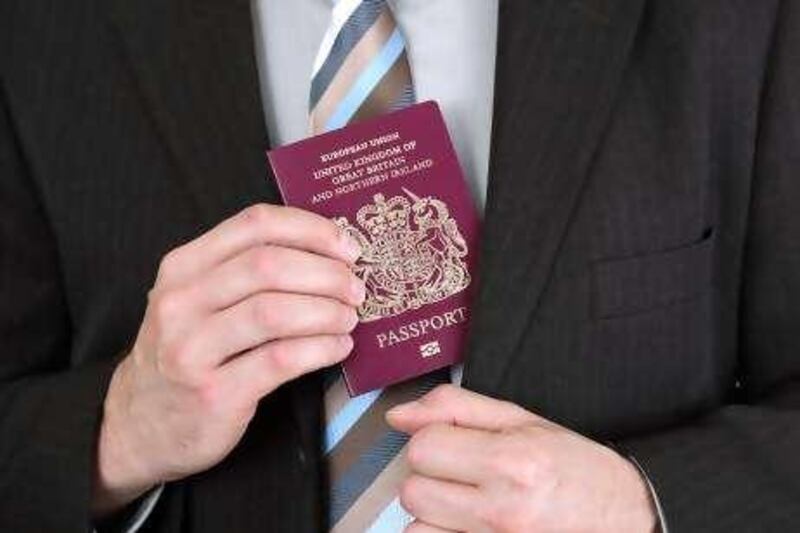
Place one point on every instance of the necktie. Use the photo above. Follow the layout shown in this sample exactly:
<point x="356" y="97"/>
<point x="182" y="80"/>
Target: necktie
<point x="361" y="71"/>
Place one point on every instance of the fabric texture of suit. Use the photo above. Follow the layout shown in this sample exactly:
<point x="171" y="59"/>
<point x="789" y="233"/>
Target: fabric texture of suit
<point x="640" y="268"/>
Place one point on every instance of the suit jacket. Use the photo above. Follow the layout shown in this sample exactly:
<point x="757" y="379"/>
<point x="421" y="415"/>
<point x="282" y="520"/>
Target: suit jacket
<point x="640" y="266"/>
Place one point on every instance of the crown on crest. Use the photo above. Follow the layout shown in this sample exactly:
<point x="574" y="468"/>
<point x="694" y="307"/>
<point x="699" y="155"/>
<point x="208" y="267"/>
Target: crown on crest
<point x="384" y="216"/>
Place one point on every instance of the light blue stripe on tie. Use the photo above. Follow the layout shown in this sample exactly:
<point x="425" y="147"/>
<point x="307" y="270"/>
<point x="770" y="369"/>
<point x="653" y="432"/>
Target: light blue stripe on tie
<point x="367" y="81"/>
<point x="392" y="519"/>
<point x="349" y="415"/>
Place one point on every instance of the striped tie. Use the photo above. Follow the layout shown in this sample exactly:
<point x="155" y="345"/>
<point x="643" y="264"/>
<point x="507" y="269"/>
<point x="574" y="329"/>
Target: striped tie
<point x="362" y="71"/>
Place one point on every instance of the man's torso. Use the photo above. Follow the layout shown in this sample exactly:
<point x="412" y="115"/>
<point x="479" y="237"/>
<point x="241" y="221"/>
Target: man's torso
<point x="613" y="230"/>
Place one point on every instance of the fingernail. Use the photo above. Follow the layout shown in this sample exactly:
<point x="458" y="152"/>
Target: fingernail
<point x="351" y="247"/>
<point x="358" y="290"/>
<point x="399" y="410"/>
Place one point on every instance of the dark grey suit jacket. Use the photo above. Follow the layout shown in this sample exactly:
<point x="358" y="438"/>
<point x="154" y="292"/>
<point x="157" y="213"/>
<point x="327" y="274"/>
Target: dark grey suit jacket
<point x="640" y="270"/>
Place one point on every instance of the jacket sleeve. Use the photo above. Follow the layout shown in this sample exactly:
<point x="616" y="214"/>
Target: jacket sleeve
<point x="49" y="408"/>
<point x="738" y="469"/>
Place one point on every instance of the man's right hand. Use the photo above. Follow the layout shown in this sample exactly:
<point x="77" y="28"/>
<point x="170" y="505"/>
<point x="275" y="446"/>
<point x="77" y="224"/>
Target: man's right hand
<point x="263" y="298"/>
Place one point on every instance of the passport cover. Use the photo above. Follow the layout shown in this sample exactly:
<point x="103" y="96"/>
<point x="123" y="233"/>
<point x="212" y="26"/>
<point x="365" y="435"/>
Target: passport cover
<point x="394" y="183"/>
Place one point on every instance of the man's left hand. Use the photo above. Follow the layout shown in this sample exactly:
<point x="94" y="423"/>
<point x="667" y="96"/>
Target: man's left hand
<point x="480" y="464"/>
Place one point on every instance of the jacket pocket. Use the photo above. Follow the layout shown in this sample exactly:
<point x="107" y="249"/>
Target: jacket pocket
<point x="635" y="284"/>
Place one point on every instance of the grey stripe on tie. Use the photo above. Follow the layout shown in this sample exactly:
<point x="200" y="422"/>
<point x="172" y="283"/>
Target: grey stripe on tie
<point x="356" y="26"/>
<point x="346" y="490"/>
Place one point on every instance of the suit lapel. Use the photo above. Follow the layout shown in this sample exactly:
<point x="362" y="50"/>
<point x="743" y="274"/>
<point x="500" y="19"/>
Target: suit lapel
<point x="195" y="66"/>
<point x="558" y="65"/>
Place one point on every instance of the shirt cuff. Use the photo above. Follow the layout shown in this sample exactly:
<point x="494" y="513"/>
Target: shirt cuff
<point x="135" y="520"/>
<point x="662" y="520"/>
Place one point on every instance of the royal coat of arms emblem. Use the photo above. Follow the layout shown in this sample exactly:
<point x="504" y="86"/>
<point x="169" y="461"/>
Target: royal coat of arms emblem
<point x="413" y="254"/>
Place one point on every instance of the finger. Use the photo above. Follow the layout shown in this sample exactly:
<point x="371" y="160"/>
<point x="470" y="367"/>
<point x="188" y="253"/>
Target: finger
<point x="448" y="404"/>
<point x="442" y="504"/>
<point x="421" y="527"/>
<point x="451" y="453"/>
<point x="251" y="323"/>
<point x="278" y="269"/>
<point x="258" y="224"/>
<point x="253" y="375"/>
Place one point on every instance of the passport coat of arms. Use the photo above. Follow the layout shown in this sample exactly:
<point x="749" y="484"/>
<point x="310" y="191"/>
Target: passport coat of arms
<point x="413" y="254"/>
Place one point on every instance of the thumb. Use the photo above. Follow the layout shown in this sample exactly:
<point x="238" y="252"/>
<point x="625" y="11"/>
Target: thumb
<point x="448" y="404"/>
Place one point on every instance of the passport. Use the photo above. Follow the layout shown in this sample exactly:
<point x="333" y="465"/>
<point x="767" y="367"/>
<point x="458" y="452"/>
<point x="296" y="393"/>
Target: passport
<point x="394" y="184"/>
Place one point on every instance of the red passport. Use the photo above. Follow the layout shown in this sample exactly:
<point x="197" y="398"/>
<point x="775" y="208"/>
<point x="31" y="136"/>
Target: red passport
<point x="395" y="184"/>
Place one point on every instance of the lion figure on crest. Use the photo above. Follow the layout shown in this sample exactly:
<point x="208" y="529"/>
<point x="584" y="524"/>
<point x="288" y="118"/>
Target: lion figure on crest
<point x="413" y="254"/>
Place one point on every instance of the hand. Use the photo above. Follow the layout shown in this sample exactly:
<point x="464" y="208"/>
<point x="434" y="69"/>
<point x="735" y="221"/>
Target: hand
<point x="479" y="464"/>
<point x="261" y="299"/>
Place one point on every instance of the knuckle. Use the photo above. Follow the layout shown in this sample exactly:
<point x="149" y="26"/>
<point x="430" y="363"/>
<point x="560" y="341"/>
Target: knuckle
<point x="498" y="518"/>
<point x="518" y="464"/>
<point x="420" y="444"/>
<point x="258" y="215"/>
<point x="169" y="263"/>
<point x="442" y="395"/>
<point x="325" y="351"/>
<point x="165" y="308"/>
<point x="520" y="413"/>
<point x="264" y="260"/>
<point x="416" y="452"/>
<point x="264" y="312"/>
<point x="175" y="362"/>
<point x="409" y="494"/>
<point x="280" y="360"/>
<point x="152" y="296"/>
<point x="504" y="516"/>
<point x="529" y="472"/>
<point x="497" y="464"/>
